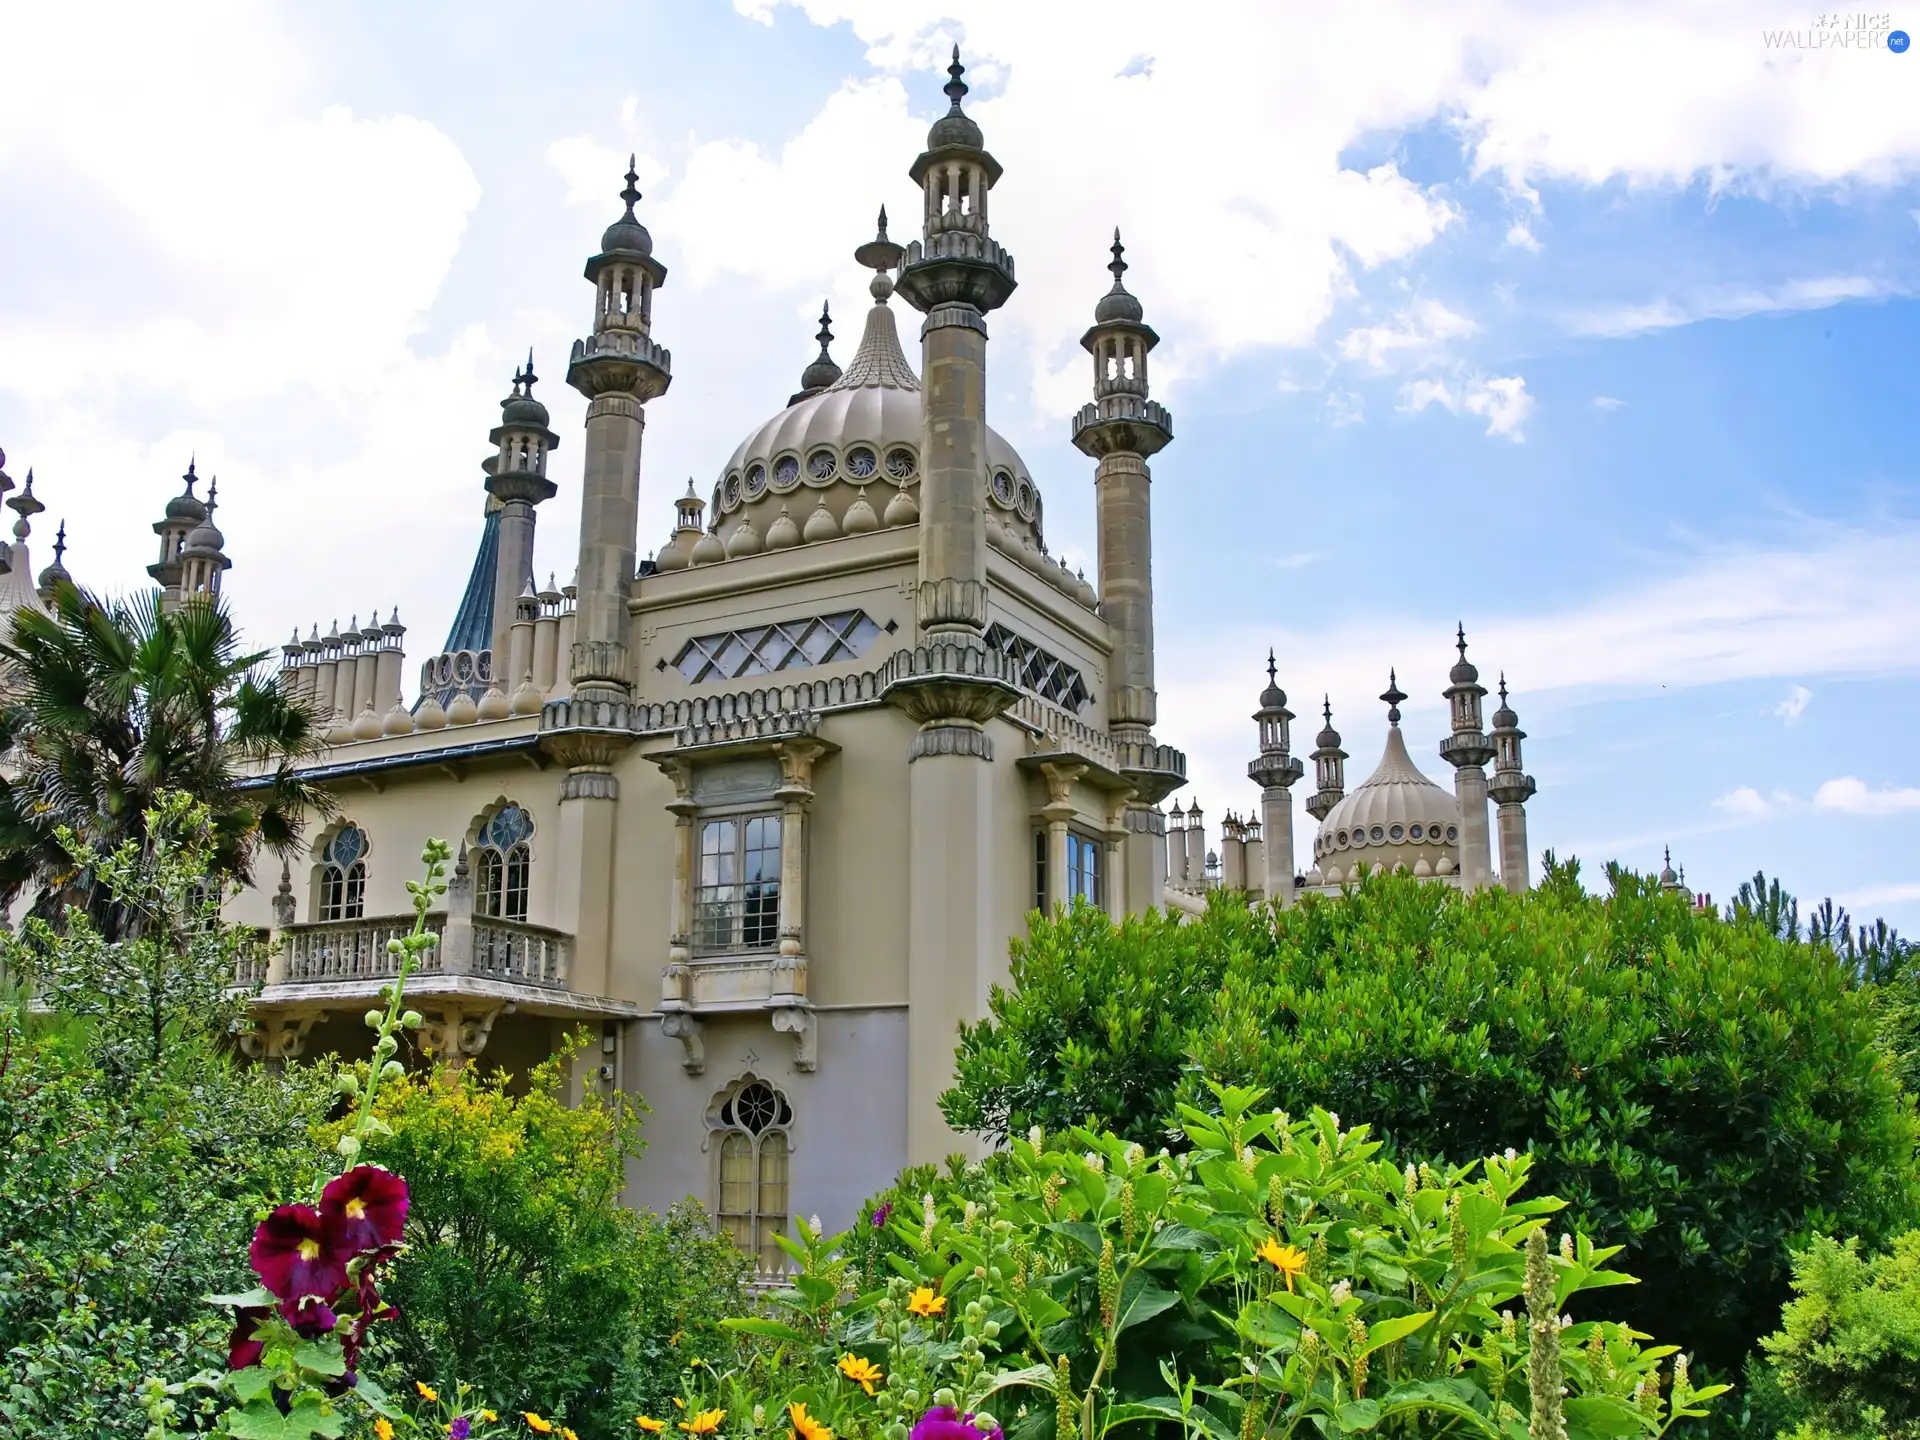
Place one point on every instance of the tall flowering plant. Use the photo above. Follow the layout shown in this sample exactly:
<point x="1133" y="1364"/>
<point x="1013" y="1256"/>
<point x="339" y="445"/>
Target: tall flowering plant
<point x="298" y="1337"/>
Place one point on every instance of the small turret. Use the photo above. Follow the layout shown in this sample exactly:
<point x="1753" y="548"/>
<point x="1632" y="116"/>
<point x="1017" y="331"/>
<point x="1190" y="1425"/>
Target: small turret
<point x="1329" y="766"/>
<point x="55" y="575"/>
<point x="1510" y="789"/>
<point x="517" y="478"/>
<point x="822" y="372"/>
<point x="1275" y="771"/>
<point x="1467" y="749"/>
<point x="203" y="559"/>
<point x="184" y="512"/>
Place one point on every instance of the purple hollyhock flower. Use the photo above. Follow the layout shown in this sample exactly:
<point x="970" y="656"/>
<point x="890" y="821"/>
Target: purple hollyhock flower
<point x="243" y="1351"/>
<point x="292" y="1256"/>
<point x="364" y="1209"/>
<point x="310" y="1318"/>
<point x="881" y="1215"/>
<point x="943" y="1422"/>
<point x="460" y="1429"/>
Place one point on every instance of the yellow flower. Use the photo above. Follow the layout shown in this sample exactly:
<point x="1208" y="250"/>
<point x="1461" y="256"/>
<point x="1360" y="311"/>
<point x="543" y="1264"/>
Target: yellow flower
<point x="924" y="1302"/>
<point x="704" y="1423"/>
<point x="649" y="1424"/>
<point x="427" y="1392"/>
<point x="805" y="1427"/>
<point x="383" y="1428"/>
<point x="566" y="1433"/>
<point x="536" y="1424"/>
<point x="489" y="1416"/>
<point x="861" y="1371"/>
<point x="1289" y="1260"/>
<point x="678" y="1403"/>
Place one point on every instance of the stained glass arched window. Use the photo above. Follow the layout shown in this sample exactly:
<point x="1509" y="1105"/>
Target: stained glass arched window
<point x="502" y="865"/>
<point x="753" y="1171"/>
<point x="343" y="875"/>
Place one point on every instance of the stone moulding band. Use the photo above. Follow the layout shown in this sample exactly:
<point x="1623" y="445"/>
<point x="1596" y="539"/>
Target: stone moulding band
<point x="951" y="739"/>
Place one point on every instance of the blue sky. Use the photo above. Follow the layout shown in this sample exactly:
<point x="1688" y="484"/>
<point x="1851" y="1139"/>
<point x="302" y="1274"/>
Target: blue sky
<point x="1596" y="329"/>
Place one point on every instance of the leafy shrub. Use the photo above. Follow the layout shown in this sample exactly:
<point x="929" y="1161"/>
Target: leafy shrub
<point x="1279" y="1278"/>
<point x="1845" y="1363"/>
<point x="523" y="1274"/>
<point x="1704" y="1091"/>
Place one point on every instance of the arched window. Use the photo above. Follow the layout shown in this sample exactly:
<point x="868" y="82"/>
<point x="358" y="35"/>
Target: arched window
<point x="343" y="875"/>
<point x="502" y="865"/>
<point x="753" y="1122"/>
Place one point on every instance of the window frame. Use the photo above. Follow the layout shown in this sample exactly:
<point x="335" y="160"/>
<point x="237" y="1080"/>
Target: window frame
<point x="752" y="1224"/>
<point x="503" y="877"/>
<point x="1086" y="870"/>
<point x="751" y="914"/>
<point x="342" y="891"/>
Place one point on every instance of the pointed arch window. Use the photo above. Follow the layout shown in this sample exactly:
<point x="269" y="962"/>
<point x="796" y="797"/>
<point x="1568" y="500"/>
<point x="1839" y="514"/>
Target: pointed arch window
<point x="343" y="875"/>
<point x="503" y="864"/>
<point x="753" y="1122"/>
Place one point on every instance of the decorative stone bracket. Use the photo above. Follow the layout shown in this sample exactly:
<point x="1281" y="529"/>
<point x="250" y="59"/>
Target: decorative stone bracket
<point x="279" y="1037"/>
<point x="690" y="1031"/>
<point x="798" y="1021"/>
<point x="456" y="1034"/>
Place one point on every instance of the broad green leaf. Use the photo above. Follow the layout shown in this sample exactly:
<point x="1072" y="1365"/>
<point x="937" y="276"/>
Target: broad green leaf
<point x="322" y="1357"/>
<point x="247" y="1383"/>
<point x="1038" y="1376"/>
<point x="770" y="1329"/>
<point x="258" y="1296"/>
<point x="1181" y="1237"/>
<point x="1141" y="1299"/>
<point x="1385" y="1332"/>
<point x="1601" y="1417"/>
<point x="1359" y="1415"/>
<point x="1083" y="1234"/>
<point x="260" y="1420"/>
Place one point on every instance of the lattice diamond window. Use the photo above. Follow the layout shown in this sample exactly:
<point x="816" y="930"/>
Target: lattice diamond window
<point x="1048" y="676"/>
<point x="784" y="645"/>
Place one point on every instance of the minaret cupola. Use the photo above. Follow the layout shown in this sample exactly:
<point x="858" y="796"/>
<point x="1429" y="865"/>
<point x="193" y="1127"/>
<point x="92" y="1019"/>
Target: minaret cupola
<point x="1329" y="766"/>
<point x="184" y="512"/>
<point x="203" y="559"/>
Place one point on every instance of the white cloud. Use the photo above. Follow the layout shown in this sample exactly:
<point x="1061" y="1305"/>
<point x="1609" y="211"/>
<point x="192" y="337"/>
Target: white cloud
<point x="1874" y="895"/>
<point x="1608" y="402"/>
<point x="1794" y="706"/>
<point x="1815" y="293"/>
<point x="1522" y="238"/>
<point x="1851" y="796"/>
<point x="1344" y="407"/>
<point x="1299" y="560"/>
<point x="1421" y="326"/>
<point x="1503" y="402"/>
<point x="1747" y="803"/>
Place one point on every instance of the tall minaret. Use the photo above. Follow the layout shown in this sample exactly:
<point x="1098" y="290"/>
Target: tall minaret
<point x="183" y="512"/>
<point x="1468" y="750"/>
<point x="1274" y="772"/>
<point x="203" y="559"/>
<point x="1329" y="766"/>
<point x="1510" y="790"/>
<point x="517" y="477"/>
<point x="955" y="274"/>
<point x="618" y="368"/>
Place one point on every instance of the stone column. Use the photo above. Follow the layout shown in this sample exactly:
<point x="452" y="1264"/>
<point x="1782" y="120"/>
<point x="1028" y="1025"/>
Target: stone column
<point x="1276" y="827"/>
<point x="953" y="554"/>
<point x="1112" y="855"/>
<point x="456" y="939"/>
<point x="1476" y="843"/>
<point x="1123" y="505"/>
<point x="601" y="668"/>
<point x="513" y="569"/>
<point x="584" y="862"/>
<point x="797" y="758"/>
<point x="1058" y="812"/>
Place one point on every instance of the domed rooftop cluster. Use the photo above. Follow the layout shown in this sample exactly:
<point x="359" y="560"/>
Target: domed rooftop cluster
<point x="1395" y="817"/>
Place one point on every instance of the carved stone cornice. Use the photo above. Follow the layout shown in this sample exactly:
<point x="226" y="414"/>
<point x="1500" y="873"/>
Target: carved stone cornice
<point x="946" y="683"/>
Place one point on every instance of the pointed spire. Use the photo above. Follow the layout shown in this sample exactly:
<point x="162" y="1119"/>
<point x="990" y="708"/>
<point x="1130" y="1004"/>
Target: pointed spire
<point x="632" y="193"/>
<point x="530" y="376"/>
<point x="60" y="544"/>
<point x="1118" y="265"/>
<point x="1393" y="695"/>
<point x="880" y="255"/>
<point x="213" y="493"/>
<point x="955" y="88"/>
<point x="825" y="337"/>
<point x="1463" y="671"/>
<point x="1272" y="668"/>
<point x="821" y="371"/>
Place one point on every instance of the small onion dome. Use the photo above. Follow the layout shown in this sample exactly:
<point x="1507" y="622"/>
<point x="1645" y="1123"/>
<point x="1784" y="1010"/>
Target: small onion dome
<point x="901" y="510"/>
<point x="822" y="372"/>
<point x="1504" y="718"/>
<point x="1463" y="672"/>
<point x="1118" y="303"/>
<point x="205" y="539"/>
<point x="520" y="408"/>
<point x="954" y="127"/>
<point x="745" y="540"/>
<point x="1668" y="880"/>
<point x="783" y="534"/>
<point x="859" y="519"/>
<point x="1273" y="697"/>
<point x="187" y="508"/>
<point x="627" y="233"/>
<point x="56" y="573"/>
<point x="708" y="550"/>
<point x="820" y="525"/>
<point x="1328" y="738"/>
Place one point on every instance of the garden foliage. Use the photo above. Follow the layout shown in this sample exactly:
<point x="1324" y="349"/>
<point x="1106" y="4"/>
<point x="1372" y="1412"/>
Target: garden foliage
<point x="1705" y="1092"/>
<point x="1277" y="1278"/>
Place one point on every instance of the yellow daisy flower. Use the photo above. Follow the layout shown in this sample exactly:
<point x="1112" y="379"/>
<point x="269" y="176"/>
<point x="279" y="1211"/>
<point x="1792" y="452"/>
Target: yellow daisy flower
<point x="925" y="1303"/>
<point x="805" y="1427"/>
<point x="860" y="1370"/>
<point x="1289" y="1260"/>
<point x="383" y="1429"/>
<point x="536" y="1424"/>
<point x="649" y="1424"/>
<point x="704" y="1423"/>
<point x="427" y="1392"/>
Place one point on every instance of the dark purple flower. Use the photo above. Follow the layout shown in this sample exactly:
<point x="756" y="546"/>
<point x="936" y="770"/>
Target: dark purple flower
<point x="943" y="1422"/>
<point x="460" y="1429"/>
<point x="310" y="1318"/>
<point x="293" y="1257"/>
<point x="243" y="1351"/>
<point x="880" y="1216"/>
<point x="364" y="1210"/>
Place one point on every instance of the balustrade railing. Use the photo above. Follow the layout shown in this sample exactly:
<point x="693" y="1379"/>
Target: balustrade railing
<point x="526" y="954"/>
<point x="354" y="949"/>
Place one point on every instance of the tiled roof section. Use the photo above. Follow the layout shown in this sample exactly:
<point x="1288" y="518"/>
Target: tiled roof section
<point x="879" y="360"/>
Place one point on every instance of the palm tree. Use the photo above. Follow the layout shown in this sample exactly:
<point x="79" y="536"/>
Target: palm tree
<point x="109" y="702"/>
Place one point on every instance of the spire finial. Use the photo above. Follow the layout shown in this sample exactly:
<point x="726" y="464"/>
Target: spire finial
<point x="213" y="494"/>
<point x="60" y="545"/>
<point x="825" y="337"/>
<point x="1666" y="852"/>
<point x="530" y="376"/>
<point x="955" y="88"/>
<point x="1326" y="707"/>
<point x="1393" y="695"/>
<point x="1118" y="265"/>
<point x="1503" y="687"/>
<point x="1272" y="668"/>
<point x="1461" y="642"/>
<point x="632" y="193"/>
<point x="883" y="222"/>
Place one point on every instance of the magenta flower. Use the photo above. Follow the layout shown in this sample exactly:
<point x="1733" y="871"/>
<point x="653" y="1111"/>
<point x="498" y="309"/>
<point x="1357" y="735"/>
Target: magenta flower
<point x="943" y="1422"/>
<point x="309" y="1317"/>
<point x="880" y="1216"/>
<point x="364" y="1209"/>
<point x="293" y="1257"/>
<point x="243" y="1351"/>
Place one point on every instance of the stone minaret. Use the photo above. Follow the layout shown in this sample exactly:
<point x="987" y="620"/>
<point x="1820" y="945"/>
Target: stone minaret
<point x="203" y="559"/>
<point x="1121" y="430"/>
<point x="1275" y="772"/>
<point x="1329" y="766"/>
<point x="1468" y="750"/>
<point x="950" y="684"/>
<point x="517" y="477"/>
<point x="1510" y="790"/>
<point x="955" y="274"/>
<point x="618" y="368"/>
<point x="184" y="512"/>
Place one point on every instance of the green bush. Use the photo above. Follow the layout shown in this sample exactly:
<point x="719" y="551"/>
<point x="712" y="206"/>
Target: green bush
<point x="524" y="1276"/>
<point x="1704" y="1091"/>
<point x="1845" y="1363"/>
<point x="1277" y="1279"/>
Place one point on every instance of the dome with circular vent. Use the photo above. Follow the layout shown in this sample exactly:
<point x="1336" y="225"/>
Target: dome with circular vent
<point x="1396" y="817"/>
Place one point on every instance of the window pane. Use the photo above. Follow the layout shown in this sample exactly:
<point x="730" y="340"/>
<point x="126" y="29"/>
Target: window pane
<point x="486" y="889"/>
<point x="736" y="1178"/>
<point x="1040" y="870"/>
<point x="519" y="867"/>
<point x="356" y="891"/>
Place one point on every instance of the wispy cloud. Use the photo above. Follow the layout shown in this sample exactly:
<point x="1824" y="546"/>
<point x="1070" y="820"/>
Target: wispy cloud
<point x="1665" y="312"/>
<point x="1850" y="796"/>
<point x="1421" y="327"/>
<point x="1794" y="706"/>
<point x="1900" y="894"/>
<point x="1503" y="402"/>
<point x="1522" y="238"/>
<point x="1299" y="560"/>
<point x="1608" y="403"/>
<point x="1344" y="407"/>
<point x="1747" y="803"/>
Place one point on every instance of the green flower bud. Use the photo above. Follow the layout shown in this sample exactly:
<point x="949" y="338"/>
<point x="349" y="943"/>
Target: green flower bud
<point x="345" y="1084"/>
<point x="985" y="1423"/>
<point x="375" y="1019"/>
<point x="413" y="1019"/>
<point x="392" y="1070"/>
<point x="385" y="1046"/>
<point x="394" y="947"/>
<point x="348" y="1147"/>
<point x="943" y="1396"/>
<point x="991" y="1329"/>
